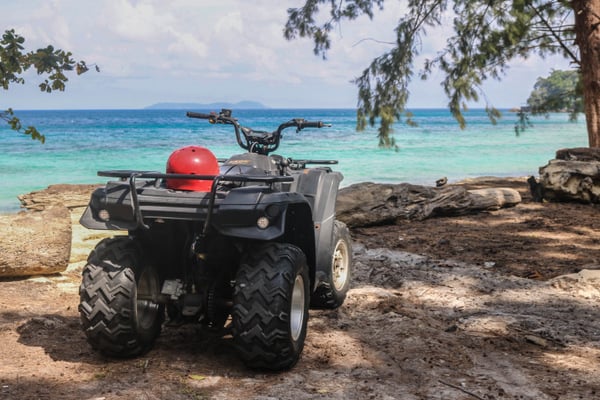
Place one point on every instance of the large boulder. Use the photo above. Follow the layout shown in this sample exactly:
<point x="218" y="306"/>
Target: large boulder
<point x="573" y="176"/>
<point x="368" y="204"/>
<point x="38" y="242"/>
<point x="35" y="243"/>
<point x="70" y="196"/>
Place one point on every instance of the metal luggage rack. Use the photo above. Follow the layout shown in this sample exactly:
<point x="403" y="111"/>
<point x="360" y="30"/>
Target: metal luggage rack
<point x="132" y="176"/>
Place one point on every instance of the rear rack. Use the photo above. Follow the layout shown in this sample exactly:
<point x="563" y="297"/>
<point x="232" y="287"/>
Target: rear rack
<point x="132" y="176"/>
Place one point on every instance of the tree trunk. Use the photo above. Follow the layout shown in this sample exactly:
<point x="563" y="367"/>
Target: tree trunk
<point x="368" y="204"/>
<point x="587" y="31"/>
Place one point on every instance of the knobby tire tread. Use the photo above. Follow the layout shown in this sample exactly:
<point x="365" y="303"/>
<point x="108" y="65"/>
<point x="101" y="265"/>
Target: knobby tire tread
<point x="325" y="295"/>
<point x="108" y="300"/>
<point x="261" y="307"/>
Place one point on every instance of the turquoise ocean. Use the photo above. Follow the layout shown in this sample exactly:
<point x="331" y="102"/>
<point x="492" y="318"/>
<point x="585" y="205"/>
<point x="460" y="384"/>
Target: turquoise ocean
<point x="81" y="142"/>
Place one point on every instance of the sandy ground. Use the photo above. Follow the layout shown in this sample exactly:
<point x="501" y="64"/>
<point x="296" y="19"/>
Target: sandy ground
<point x="499" y="305"/>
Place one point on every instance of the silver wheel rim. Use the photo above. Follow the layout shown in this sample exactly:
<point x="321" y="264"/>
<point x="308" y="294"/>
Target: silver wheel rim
<point x="339" y="265"/>
<point x="297" y="309"/>
<point x="146" y="309"/>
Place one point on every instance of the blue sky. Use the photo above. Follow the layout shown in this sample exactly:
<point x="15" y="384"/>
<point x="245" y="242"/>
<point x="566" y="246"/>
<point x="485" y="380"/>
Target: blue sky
<point x="219" y="50"/>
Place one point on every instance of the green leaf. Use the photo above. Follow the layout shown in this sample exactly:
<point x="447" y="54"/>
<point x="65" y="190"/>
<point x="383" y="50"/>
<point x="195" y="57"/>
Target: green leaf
<point x="50" y="63"/>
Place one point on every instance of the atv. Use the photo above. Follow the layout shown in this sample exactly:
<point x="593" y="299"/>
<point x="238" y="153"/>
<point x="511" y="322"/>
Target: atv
<point x="241" y="246"/>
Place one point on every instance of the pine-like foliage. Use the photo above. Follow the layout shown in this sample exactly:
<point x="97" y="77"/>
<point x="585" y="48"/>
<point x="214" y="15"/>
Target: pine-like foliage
<point x="488" y="34"/>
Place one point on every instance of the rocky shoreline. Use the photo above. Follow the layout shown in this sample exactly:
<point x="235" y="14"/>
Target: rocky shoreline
<point x="40" y="241"/>
<point x="37" y="243"/>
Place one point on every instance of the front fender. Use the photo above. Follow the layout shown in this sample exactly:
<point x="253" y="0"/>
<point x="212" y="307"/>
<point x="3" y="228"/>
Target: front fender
<point x="121" y="215"/>
<point x="239" y="212"/>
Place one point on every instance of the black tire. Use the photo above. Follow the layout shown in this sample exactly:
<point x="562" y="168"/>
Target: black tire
<point x="331" y="292"/>
<point x="115" y="318"/>
<point x="270" y="307"/>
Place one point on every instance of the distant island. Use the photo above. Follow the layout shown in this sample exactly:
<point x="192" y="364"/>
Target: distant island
<point x="242" y="105"/>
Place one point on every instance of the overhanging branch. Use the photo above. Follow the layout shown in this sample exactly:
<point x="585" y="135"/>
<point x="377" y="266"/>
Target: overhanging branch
<point x="565" y="48"/>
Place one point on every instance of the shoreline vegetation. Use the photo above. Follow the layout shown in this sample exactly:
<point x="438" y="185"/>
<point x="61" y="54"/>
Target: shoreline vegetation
<point x="360" y="205"/>
<point x="40" y="240"/>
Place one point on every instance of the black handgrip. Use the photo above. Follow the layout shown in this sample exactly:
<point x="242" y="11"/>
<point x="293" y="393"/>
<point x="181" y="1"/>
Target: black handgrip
<point x="314" y="124"/>
<point x="190" y="114"/>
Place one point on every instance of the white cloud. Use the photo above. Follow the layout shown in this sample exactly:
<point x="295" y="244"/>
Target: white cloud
<point x="151" y="50"/>
<point x="229" y="23"/>
<point x="185" y="43"/>
<point x="137" y="22"/>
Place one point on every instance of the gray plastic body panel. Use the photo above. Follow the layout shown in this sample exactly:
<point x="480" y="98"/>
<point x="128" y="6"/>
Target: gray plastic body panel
<point x="249" y="164"/>
<point x="320" y="187"/>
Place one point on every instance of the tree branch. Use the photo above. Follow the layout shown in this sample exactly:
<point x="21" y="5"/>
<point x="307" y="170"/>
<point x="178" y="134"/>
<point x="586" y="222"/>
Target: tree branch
<point x="461" y="389"/>
<point x="372" y="40"/>
<point x="557" y="37"/>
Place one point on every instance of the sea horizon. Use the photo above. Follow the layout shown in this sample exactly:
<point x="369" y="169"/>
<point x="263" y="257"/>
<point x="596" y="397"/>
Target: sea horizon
<point x="79" y="142"/>
<point x="266" y="108"/>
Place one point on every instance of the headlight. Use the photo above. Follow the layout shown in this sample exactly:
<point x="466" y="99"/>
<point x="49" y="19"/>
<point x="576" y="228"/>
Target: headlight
<point x="262" y="222"/>
<point x="104" y="215"/>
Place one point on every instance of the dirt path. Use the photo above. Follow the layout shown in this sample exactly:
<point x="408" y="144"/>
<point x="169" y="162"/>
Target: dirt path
<point x="439" y="309"/>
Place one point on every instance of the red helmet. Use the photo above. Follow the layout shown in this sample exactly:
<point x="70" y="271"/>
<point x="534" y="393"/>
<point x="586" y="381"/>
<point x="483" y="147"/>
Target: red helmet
<point x="193" y="160"/>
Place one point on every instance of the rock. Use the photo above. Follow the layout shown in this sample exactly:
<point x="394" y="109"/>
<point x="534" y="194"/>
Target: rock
<point x="70" y="196"/>
<point x="579" y="154"/>
<point x="570" y="180"/>
<point x="585" y="283"/>
<point x="35" y="243"/>
<point x="585" y="275"/>
<point x="368" y="204"/>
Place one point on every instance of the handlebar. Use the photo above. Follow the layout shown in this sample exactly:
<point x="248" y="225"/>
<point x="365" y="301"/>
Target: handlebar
<point x="260" y="142"/>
